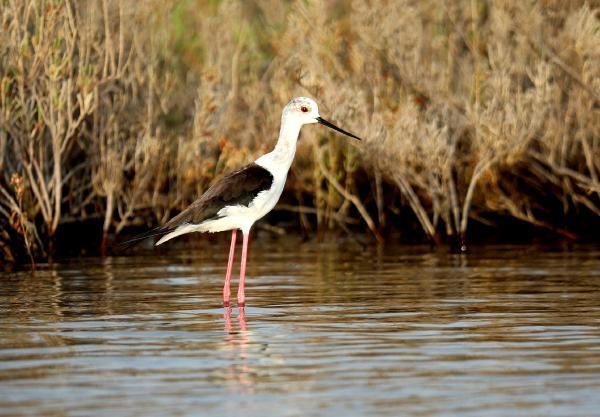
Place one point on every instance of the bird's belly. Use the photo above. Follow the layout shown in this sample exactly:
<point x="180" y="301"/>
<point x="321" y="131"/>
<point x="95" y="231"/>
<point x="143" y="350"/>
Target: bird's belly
<point x="243" y="217"/>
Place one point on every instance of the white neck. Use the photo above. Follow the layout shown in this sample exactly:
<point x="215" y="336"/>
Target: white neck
<point x="282" y="156"/>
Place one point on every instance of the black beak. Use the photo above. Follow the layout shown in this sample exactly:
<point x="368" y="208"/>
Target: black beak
<point x="334" y="127"/>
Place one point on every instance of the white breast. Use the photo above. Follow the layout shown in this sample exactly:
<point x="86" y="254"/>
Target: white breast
<point x="243" y="217"/>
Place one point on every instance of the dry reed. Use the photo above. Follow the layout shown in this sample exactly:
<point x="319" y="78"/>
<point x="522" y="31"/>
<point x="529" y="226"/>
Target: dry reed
<point x="471" y="110"/>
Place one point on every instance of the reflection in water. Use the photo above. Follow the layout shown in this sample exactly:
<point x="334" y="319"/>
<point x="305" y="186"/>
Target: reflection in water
<point x="327" y="331"/>
<point x="239" y="376"/>
<point x="241" y="320"/>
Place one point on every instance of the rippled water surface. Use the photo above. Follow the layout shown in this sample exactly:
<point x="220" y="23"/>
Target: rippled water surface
<point x="328" y="331"/>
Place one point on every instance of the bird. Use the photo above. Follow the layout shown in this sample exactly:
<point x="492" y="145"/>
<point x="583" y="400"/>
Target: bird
<point x="240" y="198"/>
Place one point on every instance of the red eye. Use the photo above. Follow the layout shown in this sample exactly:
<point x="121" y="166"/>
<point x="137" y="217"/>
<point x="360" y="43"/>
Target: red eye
<point x="304" y="109"/>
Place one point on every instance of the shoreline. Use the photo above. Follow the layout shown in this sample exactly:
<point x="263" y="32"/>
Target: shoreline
<point x="68" y="242"/>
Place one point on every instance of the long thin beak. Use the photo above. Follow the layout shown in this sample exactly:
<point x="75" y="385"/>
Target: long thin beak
<point x="334" y="127"/>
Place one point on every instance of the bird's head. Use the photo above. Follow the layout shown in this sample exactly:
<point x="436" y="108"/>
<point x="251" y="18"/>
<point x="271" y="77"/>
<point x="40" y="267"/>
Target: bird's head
<point x="306" y="111"/>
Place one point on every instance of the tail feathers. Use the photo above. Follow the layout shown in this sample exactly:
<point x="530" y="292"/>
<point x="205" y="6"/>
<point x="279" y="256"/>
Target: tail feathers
<point x="177" y="231"/>
<point x="159" y="231"/>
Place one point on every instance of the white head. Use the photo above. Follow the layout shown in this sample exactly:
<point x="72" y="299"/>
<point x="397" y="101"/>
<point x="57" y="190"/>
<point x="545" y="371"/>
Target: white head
<point x="304" y="110"/>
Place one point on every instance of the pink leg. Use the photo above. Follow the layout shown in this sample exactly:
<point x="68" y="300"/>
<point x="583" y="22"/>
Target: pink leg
<point x="241" y="296"/>
<point x="226" y="290"/>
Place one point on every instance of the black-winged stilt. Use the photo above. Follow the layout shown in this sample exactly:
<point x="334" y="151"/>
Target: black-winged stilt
<point x="242" y="197"/>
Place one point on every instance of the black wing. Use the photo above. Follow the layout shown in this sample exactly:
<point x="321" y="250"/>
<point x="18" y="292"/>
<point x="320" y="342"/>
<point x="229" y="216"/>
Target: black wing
<point x="237" y="188"/>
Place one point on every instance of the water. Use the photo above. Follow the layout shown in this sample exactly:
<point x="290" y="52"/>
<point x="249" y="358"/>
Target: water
<point x="328" y="331"/>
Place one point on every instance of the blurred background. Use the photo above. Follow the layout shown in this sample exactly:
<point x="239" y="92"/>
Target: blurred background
<point x="480" y="118"/>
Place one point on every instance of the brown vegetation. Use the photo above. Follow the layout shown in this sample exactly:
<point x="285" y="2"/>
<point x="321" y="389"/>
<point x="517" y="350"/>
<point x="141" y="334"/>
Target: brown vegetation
<point x="126" y="111"/>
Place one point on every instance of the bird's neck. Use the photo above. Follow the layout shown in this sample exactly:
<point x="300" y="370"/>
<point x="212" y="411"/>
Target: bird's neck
<point x="285" y="149"/>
